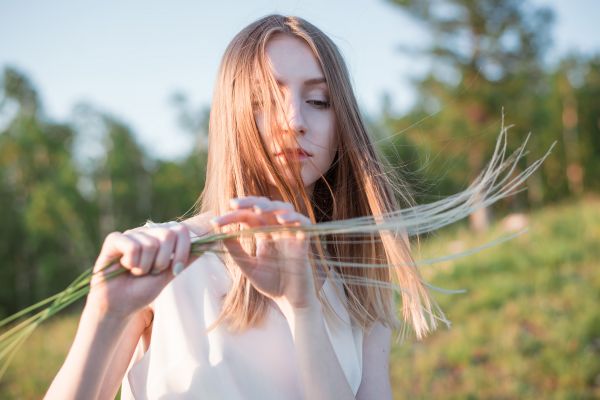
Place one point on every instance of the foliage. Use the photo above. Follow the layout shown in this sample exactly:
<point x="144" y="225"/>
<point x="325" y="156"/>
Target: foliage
<point x="42" y="208"/>
<point x="487" y="61"/>
<point x="51" y="228"/>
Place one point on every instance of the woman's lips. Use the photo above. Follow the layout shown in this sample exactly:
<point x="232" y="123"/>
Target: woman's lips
<point x="294" y="154"/>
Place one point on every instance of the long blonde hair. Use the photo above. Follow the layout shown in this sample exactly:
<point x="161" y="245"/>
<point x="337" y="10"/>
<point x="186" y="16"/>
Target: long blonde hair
<point x="356" y="185"/>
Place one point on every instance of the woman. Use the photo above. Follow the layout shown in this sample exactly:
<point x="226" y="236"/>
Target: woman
<point x="259" y="320"/>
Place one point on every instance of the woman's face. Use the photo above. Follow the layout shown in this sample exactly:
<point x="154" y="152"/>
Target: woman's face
<point x="307" y="111"/>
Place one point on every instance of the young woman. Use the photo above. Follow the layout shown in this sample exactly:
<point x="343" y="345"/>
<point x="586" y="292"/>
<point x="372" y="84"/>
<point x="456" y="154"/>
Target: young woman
<point x="260" y="319"/>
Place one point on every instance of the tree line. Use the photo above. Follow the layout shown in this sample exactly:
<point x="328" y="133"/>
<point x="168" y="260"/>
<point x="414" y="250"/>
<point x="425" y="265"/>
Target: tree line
<point x="56" y="205"/>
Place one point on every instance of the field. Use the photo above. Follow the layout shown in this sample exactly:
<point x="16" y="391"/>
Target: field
<point x="528" y="326"/>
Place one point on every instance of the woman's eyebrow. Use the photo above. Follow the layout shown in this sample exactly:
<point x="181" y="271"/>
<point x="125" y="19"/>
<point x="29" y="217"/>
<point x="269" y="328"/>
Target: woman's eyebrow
<point x="315" y="81"/>
<point x="308" y="82"/>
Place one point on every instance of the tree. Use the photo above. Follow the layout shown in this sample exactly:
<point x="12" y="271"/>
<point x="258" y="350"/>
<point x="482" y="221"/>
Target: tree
<point x="123" y="181"/>
<point x="587" y="95"/>
<point x="42" y="233"/>
<point x="486" y="56"/>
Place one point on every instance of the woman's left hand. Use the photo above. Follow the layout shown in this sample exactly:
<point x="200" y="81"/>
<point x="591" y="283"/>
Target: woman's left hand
<point x="281" y="269"/>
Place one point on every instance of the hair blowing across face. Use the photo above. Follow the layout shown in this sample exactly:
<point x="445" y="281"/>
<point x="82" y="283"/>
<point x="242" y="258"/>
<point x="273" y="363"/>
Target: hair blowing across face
<point x="356" y="184"/>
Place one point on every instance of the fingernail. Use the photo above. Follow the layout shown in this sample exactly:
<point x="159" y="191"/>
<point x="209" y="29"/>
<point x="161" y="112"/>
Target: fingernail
<point x="177" y="268"/>
<point x="214" y="221"/>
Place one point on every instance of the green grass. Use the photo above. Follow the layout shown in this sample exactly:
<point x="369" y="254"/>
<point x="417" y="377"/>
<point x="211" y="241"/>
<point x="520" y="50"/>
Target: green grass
<point x="38" y="361"/>
<point x="528" y="327"/>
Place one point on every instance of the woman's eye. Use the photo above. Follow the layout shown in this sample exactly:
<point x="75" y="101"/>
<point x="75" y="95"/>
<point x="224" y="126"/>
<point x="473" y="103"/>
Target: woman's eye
<point x="319" y="103"/>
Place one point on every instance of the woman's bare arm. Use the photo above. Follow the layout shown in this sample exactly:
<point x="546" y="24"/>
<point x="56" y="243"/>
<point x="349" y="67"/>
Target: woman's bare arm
<point x="320" y="371"/>
<point x="82" y="371"/>
<point x="375" y="383"/>
<point x="115" y="314"/>
<point x="90" y="356"/>
<point x="137" y="329"/>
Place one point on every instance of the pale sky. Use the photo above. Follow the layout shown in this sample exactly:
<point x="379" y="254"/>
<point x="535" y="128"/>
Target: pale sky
<point x="129" y="57"/>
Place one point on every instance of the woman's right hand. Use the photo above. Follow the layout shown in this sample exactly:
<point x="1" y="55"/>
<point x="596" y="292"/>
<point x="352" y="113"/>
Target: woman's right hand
<point x="151" y="256"/>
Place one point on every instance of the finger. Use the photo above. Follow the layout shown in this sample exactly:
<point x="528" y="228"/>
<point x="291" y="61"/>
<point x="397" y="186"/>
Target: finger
<point x="271" y="209"/>
<point x="293" y="219"/>
<point x="248" y="219"/>
<point x="168" y="239"/>
<point x="246" y="216"/>
<point x="150" y="246"/>
<point x="263" y="206"/>
<point x="182" y="249"/>
<point x="275" y="206"/>
<point x="247" y="202"/>
<point x="118" y="246"/>
<point x="267" y="212"/>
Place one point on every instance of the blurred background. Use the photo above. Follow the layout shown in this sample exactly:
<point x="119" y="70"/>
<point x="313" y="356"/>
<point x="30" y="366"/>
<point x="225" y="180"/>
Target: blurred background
<point x="103" y="124"/>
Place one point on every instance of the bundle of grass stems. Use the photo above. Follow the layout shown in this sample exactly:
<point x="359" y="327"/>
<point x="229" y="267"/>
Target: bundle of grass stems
<point x="499" y="179"/>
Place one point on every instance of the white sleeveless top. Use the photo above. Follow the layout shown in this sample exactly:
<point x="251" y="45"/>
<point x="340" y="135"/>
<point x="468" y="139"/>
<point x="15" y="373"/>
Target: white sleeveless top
<point x="183" y="361"/>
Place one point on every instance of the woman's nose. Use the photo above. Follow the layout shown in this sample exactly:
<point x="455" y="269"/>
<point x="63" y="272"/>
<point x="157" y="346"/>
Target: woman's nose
<point x="293" y="118"/>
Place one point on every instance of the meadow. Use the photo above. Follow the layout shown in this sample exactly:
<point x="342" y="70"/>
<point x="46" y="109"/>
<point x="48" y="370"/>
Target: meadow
<point x="528" y="326"/>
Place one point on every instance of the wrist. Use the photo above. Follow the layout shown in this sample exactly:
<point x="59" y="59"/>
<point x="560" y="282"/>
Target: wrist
<point x="95" y="313"/>
<point x="308" y="312"/>
<point x="302" y="318"/>
<point x="290" y="309"/>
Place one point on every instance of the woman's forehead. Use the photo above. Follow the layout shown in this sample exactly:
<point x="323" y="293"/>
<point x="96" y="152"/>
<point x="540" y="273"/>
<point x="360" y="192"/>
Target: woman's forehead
<point x="292" y="61"/>
<point x="316" y="82"/>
